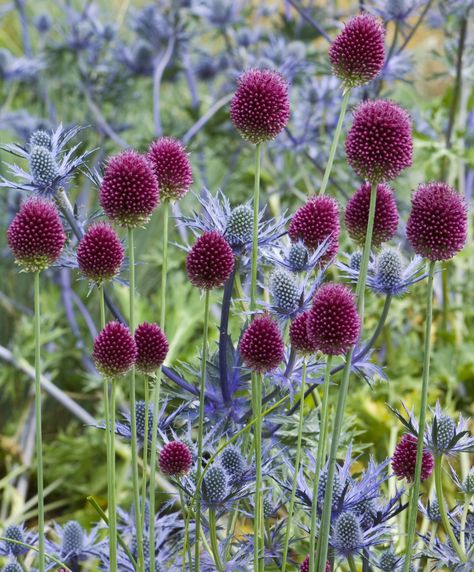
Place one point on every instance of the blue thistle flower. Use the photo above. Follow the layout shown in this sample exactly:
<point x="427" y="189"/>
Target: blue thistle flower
<point x="40" y="138"/>
<point x="43" y="167"/>
<point x="12" y="567"/>
<point x="233" y="461"/>
<point x="468" y="485"/>
<point x="215" y="485"/>
<point x="298" y="256"/>
<point x="444" y="437"/>
<point x="15" y="532"/>
<point x="388" y="561"/>
<point x="355" y="260"/>
<point x="347" y="534"/>
<point x="268" y="508"/>
<point x="239" y="225"/>
<point x="285" y="290"/>
<point x="73" y="538"/>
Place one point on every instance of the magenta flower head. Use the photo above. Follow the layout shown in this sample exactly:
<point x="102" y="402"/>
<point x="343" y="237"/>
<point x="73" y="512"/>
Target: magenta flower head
<point x="129" y="190"/>
<point x="305" y="565"/>
<point x="175" y="459"/>
<point x="100" y="253"/>
<point x="115" y="351"/>
<point x="333" y="323"/>
<point x="437" y="226"/>
<point x="260" y="108"/>
<point x="404" y="460"/>
<point x="210" y="261"/>
<point x="379" y="144"/>
<point x="172" y="167"/>
<point x="299" y="339"/>
<point x="357" y="54"/>
<point x="386" y="215"/>
<point x="315" y="222"/>
<point x="152" y="347"/>
<point x="261" y="345"/>
<point x="36" y="235"/>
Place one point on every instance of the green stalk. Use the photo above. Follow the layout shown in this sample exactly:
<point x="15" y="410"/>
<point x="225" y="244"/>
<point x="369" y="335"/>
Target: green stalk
<point x="256" y="202"/>
<point x="133" y="413"/>
<point x="188" y="552"/>
<point x="214" y="542"/>
<point x="465" y="512"/>
<point x="442" y="508"/>
<point x="112" y="486"/>
<point x="297" y="468"/>
<point x="352" y="564"/>
<point x="157" y="386"/>
<point x="202" y="389"/>
<point x="320" y="461"/>
<point x="335" y="141"/>
<point x="145" y="450"/>
<point x="413" y="507"/>
<point x="343" y="390"/>
<point x="259" y="564"/>
<point x="39" y="438"/>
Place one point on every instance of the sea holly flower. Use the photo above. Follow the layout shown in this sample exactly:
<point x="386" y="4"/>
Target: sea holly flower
<point x="40" y="138"/>
<point x="100" y="253"/>
<point x="296" y="258"/>
<point x="74" y="544"/>
<point x="172" y="167"/>
<point x="18" y="533"/>
<point x="445" y="437"/>
<point x="444" y="557"/>
<point x="43" y="166"/>
<point x="233" y="461"/>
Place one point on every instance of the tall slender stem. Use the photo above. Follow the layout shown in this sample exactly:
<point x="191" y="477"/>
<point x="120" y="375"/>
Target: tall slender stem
<point x="413" y="507"/>
<point x="297" y="468"/>
<point x="256" y="204"/>
<point x="112" y="500"/>
<point x="214" y="541"/>
<point x="352" y="564"/>
<point x="39" y="438"/>
<point x="335" y="141"/>
<point x="463" y="525"/>
<point x="202" y="389"/>
<point x="146" y="390"/>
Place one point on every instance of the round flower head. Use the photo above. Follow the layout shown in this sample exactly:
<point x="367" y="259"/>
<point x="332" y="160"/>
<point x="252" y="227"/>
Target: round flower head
<point x="210" y="261"/>
<point x="172" y="167"/>
<point x="347" y="535"/>
<point x="100" y="253"/>
<point x="299" y="335"/>
<point x="468" y="484"/>
<point x="261" y="345"/>
<point x="379" y="144"/>
<point x="298" y="256"/>
<point x="305" y="565"/>
<point x="389" y="269"/>
<point x="152" y="347"/>
<point x="437" y="225"/>
<point x="73" y="538"/>
<point x="129" y="190"/>
<point x="443" y="432"/>
<point x="433" y="510"/>
<point x="357" y="54"/>
<point x="404" y="460"/>
<point x="12" y="567"/>
<point x="36" y="235"/>
<point x="15" y="533"/>
<point x="40" y="138"/>
<point x="284" y="290"/>
<point x="333" y="322"/>
<point x="233" y="461"/>
<point x="268" y="508"/>
<point x="388" y="561"/>
<point x="385" y="219"/>
<point x="239" y="225"/>
<point x="260" y="108"/>
<point x="115" y="351"/>
<point x="175" y="459"/>
<point x="356" y="260"/>
<point x="215" y="485"/>
<point x="43" y="166"/>
<point x="315" y="222"/>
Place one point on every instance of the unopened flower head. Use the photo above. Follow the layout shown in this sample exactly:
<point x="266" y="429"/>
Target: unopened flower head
<point x="261" y="346"/>
<point x="210" y="261"/>
<point x="172" y="167"/>
<point x="152" y="347"/>
<point x="404" y="460"/>
<point x="115" y="351"/>
<point x="100" y="253"/>
<point x="299" y="338"/>
<point x="175" y="459"/>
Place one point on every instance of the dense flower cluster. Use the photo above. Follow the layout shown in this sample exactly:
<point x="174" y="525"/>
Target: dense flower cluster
<point x="404" y="460"/>
<point x="210" y="261"/>
<point x="152" y="347"/>
<point x="115" y="351"/>
<point x="175" y="459"/>
<point x="172" y="167"/>
<point x="100" y="253"/>
<point x="261" y="345"/>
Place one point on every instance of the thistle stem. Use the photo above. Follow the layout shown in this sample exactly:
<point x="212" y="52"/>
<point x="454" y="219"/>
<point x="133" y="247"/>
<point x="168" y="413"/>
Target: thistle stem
<point x="343" y="391"/>
<point x="214" y="542"/>
<point x="39" y="438"/>
<point x="413" y="507"/>
<point x="202" y="389"/>
<point x="256" y="202"/>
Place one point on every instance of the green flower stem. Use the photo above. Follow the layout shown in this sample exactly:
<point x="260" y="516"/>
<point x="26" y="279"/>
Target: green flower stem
<point x="343" y="391"/>
<point x="320" y="461"/>
<point x="413" y="507"/>
<point x="256" y="203"/>
<point x="157" y="385"/>
<point x="465" y="512"/>
<point x="202" y="389"/>
<point x="442" y="508"/>
<point x="146" y="390"/>
<point x="183" y="508"/>
<point x="352" y="564"/>
<point x="297" y="468"/>
<point x="39" y="438"/>
<point x="112" y="483"/>
<point x="133" y="412"/>
<point x="214" y="541"/>
<point x="335" y="141"/>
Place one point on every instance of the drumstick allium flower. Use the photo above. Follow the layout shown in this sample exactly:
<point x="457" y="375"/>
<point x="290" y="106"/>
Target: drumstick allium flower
<point x="115" y="351"/>
<point x="172" y="167"/>
<point x="100" y="253"/>
<point x="175" y="459"/>
<point x="152" y="347"/>
<point x="210" y="261"/>
<point x="261" y="346"/>
<point x="404" y="460"/>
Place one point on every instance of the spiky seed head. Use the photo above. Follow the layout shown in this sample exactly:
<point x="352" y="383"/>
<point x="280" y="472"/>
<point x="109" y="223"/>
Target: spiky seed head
<point x="43" y="166"/>
<point x="73" y="538"/>
<point x="298" y="256"/>
<point x="140" y="410"/>
<point x="175" y="459"/>
<point x="12" y="567"/>
<point x="268" y="508"/>
<point x="261" y="346"/>
<point x="100" y="253"/>
<point x="40" y="138"/>
<point x="433" y="510"/>
<point x="152" y="347"/>
<point x="15" y="532"/>
<point x="356" y="260"/>
<point x="215" y="485"/>
<point x="239" y="225"/>
<point x="299" y="338"/>
<point x="469" y="482"/>
<point x="404" y="460"/>
<point x="233" y="461"/>
<point x="388" y="561"/>
<point x="210" y="261"/>
<point x="172" y="167"/>
<point x="389" y="268"/>
<point x="366" y="511"/>
<point x="446" y="430"/>
<point x="284" y="289"/>
<point x="347" y="533"/>
<point x="337" y="489"/>
<point x="115" y="351"/>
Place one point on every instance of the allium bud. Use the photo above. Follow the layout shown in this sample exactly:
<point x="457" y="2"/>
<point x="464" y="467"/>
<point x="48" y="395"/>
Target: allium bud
<point x="129" y="190"/>
<point x="379" y="144"/>
<point x="357" y="54"/>
<point x="15" y="532"/>
<point x="260" y="108"/>
<point x="175" y="459"/>
<point x="233" y="461"/>
<point x="73" y="538"/>
<point x="115" y="351"/>
<point x="385" y="219"/>
<point x="437" y="226"/>
<point x="40" y="138"/>
<point x="172" y="167"/>
<point x="214" y="485"/>
<point x="152" y="347"/>
<point x="388" y="561"/>
<point x="210" y="261"/>
<point x="347" y="535"/>
<point x="36" y="235"/>
<point x="100" y="253"/>
<point x="389" y="268"/>
<point x="333" y="323"/>
<point x="298" y="256"/>
<point x="356" y="260"/>
<point x="315" y="222"/>
<point x="300" y="341"/>
<point x="284" y="290"/>
<point x="404" y="460"/>
<point x="445" y="431"/>
<point x="433" y="510"/>
<point x="261" y="345"/>
<point x="305" y="565"/>
<point x="239" y="225"/>
<point x="43" y="166"/>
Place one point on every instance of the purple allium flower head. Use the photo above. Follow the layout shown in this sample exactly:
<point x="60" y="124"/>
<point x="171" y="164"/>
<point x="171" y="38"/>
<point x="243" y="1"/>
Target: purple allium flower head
<point x="404" y="459"/>
<point x="115" y="351"/>
<point x="210" y="261"/>
<point x="100" y="253"/>
<point x="36" y="235"/>
<point x="260" y="108"/>
<point x="379" y="144"/>
<point x="261" y="345"/>
<point x="358" y="52"/>
<point x="314" y="222"/>
<point x="333" y="323"/>
<point x="175" y="459"/>
<point x="299" y="335"/>
<point x="129" y="190"/>
<point x="437" y="225"/>
<point x="172" y="167"/>
<point x="386" y="215"/>
<point x="152" y="347"/>
<point x="305" y="565"/>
